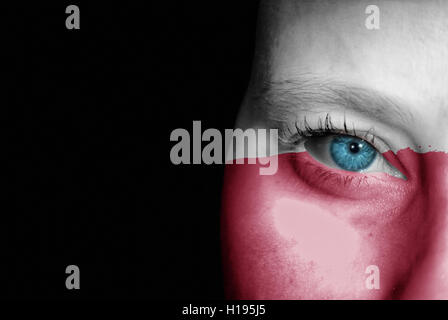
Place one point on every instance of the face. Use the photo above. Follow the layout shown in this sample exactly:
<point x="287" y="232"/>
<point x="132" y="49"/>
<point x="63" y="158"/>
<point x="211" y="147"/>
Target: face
<point x="358" y="206"/>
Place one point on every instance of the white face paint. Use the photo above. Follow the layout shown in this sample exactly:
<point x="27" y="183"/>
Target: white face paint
<point x="405" y="60"/>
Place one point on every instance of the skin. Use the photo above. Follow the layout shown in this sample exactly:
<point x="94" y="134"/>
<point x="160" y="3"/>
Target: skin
<point x="290" y="236"/>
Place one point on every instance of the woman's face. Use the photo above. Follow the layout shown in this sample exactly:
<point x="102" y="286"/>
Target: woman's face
<point x="362" y="175"/>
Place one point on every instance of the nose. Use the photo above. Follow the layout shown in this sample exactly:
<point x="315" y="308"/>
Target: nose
<point x="428" y="274"/>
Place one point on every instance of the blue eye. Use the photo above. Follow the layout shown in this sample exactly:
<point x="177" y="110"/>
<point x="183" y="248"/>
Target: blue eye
<point x="351" y="153"/>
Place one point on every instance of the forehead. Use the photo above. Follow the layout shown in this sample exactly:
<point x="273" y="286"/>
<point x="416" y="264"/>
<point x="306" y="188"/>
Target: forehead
<point x="407" y="57"/>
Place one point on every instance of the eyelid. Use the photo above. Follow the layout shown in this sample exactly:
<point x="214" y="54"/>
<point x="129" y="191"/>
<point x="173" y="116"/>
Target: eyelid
<point x="299" y="139"/>
<point x="323" y="126"/>
<point x="376" y="142"/>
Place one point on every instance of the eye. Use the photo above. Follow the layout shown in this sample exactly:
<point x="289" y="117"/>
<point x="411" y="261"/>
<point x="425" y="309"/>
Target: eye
<point x="350" y="154"/>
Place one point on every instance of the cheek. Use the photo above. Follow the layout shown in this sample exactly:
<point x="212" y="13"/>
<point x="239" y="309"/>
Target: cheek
<point x="317" y="239"/>
<point x="286" y="237"/>
<point x="315" y="234"/>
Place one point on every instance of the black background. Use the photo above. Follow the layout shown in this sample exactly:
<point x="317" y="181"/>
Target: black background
<point x="87" y="124"/>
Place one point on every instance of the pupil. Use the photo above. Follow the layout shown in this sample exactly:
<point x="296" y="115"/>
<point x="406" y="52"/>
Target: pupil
<point x="354" y="147"/>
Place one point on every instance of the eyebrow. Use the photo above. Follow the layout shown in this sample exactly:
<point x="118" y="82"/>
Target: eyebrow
<point x="284" y="99"/>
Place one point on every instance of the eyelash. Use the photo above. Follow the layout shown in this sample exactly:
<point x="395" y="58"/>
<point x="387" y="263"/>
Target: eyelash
<point x="323" y="128"/>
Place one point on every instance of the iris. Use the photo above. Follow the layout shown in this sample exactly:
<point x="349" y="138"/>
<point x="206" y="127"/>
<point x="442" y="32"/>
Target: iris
<point x="351" y="153"/>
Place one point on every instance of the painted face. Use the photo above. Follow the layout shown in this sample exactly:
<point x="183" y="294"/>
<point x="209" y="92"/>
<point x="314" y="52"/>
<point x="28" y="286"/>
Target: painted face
<point x="358" y="206"/>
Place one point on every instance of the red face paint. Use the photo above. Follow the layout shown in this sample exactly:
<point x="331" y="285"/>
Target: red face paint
<point x="310" y="231"/>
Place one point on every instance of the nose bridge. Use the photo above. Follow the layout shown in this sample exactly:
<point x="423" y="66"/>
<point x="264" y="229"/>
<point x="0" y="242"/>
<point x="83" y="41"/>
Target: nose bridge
<point x="428" y="278"/>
